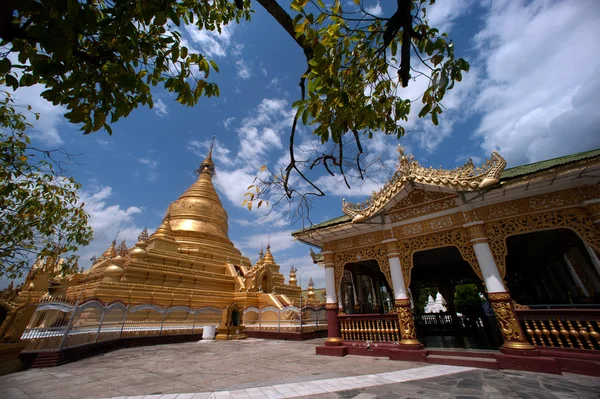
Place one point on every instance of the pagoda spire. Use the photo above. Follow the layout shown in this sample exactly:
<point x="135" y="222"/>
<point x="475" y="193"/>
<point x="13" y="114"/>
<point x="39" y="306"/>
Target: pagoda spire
<point x="207" y="166"/>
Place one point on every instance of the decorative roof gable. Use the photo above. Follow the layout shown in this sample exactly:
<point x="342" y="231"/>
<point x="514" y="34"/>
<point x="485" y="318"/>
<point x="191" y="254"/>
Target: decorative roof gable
<point x="465" y="178"/>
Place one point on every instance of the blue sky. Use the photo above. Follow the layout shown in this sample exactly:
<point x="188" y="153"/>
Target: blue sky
<point x="532" y="94"/>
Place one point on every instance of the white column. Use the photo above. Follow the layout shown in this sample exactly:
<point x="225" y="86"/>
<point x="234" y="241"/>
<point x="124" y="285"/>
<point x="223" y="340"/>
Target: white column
<point x="485" y="257"/>
<point x="396" y="269"/>
<point x="488" y="267"/>
<point x="397" y="278"/>
<point x="330" y="291"/>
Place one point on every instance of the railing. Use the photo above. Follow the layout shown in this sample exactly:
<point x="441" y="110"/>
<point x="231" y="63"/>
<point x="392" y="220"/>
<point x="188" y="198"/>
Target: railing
<point x="56" y="325"/>
<point x="287" y="319"/>
<point x="370" y="327"/>
<point x="562" y="328"/>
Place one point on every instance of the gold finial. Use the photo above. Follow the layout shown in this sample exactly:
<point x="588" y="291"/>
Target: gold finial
<point x="111" y="251"/>
<point x="164" y="230"/>
<point x="268" y="256"/>
<point x="143" y="235"/>
<point x="122" y="250"/>
<point x="207" y="166"/>
<point x="311" y="289"/>
<point x="293" y="280"/>
<point x="261" y="253"/>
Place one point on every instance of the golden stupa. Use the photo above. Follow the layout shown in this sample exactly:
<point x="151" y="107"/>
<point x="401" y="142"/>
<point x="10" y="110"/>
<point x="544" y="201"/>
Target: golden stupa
<point x="188" y="261"/>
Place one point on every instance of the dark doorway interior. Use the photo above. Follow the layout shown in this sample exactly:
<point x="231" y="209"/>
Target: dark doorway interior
<point x="551" y="269"/>
<point x="365" y="290"/>
<point x="471" y="325"/>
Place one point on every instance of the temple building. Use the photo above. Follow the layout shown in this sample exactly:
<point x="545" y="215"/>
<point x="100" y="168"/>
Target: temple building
<point x="528" y="237"/>
<point x="435" y="306"/>
<point x="189" y="261"/>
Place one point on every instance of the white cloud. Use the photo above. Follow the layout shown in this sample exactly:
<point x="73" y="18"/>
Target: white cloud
<point x="306" y="269"/>
<point x="51" y="117"/>
<point x="262" y="131"/>
<point x="212" y="43"/>
<point x="160" y="108"/>
<point x="280" y="241"/>
<point x="221" y="154"/>
<point x="152" y="164"/>
<point x="375" y="9"/>
<point x="107" y="220"/>
<point x="228" y="122"/>
<point x="539" y="97"/>
<point x="237" y="49"/>
<point x="243" y="69"/>
<point x="105" y="143"/>
<point x="264" y="71"/>
<point x="443" y="14"/>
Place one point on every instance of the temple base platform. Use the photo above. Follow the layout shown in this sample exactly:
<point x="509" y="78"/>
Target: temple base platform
<point x="539" y="360"/>
<point x="230" y="333"/>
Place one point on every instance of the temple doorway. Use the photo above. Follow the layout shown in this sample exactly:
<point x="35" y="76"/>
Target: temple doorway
<point x="552" y="268"/>
<point x="364" y="289"/>
<point x="265" y="284"/>
<point x="460" y="316"/>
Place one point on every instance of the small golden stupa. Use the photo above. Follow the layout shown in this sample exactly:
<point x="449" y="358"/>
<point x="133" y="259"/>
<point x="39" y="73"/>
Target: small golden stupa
<point x="188" y="261"/>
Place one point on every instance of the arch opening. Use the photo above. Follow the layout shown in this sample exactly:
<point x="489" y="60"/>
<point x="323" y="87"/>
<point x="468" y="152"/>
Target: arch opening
<point x="551" y="268"/>
<point x="449" y="303"/>
<point x="364" y="289"/>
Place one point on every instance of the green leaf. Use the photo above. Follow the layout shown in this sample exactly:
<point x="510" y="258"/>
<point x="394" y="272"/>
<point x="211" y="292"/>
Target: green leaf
<point x="160" y="19"/>
<point x="12" y="81"/>
<point x="5" y="65"/>
<point x="214" y="65"/>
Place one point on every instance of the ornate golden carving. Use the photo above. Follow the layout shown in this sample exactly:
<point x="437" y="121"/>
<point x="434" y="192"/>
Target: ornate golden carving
<point x="357" y="241"/>
<point x="402" y="302"/>
<point x="408" y="333"/>
<point x="574" y="219"/>
<point x="317" y="258"/>
<point x="427" y="226"/>
<point x="476" y="233"/>
<point x="592" y="208"/>
<point x="470" y="216"/>
<point x="421" y="202"/>
<point x="391" y="246"/>
<point x="458" y="238"/>
<point x="465" y="178"/>
<point x="507" y="320"/>
<point x="375" y="252"/>
<point x="559" y="199"/>
<point x="331" y="306"/>
<point x="328" y="259"/>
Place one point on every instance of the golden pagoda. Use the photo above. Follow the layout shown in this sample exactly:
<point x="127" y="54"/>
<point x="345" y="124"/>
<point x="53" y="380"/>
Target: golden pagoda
<point x="188" y="261"/>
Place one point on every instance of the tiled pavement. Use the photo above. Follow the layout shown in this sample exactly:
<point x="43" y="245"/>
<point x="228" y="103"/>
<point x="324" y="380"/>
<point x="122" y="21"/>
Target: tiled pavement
<point x="316" y="387"/>
<point x="266" y="369"/>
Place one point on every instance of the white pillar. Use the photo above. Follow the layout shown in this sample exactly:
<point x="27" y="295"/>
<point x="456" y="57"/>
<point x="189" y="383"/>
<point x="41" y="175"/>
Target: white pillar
<point x="330" y="285"/>
<point x="397" y="278"/>
<point x="485" y="257"/>
<point x="395" y="269"/>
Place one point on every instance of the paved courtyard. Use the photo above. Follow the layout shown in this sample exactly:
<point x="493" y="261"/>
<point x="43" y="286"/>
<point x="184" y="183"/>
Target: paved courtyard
<point x="264" y="369"/>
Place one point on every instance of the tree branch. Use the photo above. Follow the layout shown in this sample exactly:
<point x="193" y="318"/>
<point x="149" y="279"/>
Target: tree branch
<point x="287" y="23"/>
